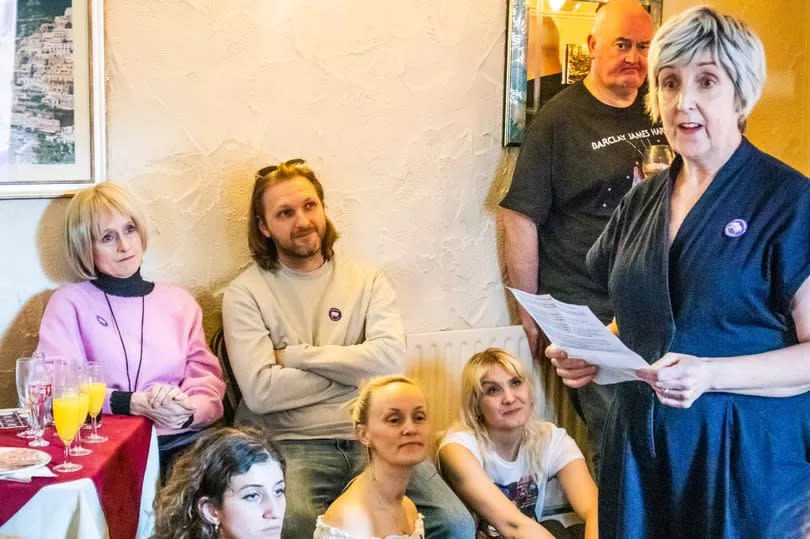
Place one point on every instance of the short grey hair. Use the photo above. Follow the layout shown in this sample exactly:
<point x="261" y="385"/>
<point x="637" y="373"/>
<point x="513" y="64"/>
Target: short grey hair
<point x="730" y="41"/>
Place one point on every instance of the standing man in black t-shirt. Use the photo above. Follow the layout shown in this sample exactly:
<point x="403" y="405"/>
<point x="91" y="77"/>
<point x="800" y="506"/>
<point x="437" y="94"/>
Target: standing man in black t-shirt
<point x="581" y="154"/>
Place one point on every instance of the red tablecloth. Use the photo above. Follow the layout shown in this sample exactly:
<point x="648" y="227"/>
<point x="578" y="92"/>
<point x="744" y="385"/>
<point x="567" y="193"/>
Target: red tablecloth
<point x="116" y="467"/>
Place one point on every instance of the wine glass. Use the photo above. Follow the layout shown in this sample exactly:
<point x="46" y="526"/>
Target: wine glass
<point x="67" y="411"/>
<point x="21" y="371"/>
<point x="83" y="376"/>
<point x="98" y="390"/>
<point x="37" y="386"/>
<point x="656" y="158"/>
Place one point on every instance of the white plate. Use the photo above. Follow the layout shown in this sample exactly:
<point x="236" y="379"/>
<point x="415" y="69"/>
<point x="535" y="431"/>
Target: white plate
<point x="21" y="459"/>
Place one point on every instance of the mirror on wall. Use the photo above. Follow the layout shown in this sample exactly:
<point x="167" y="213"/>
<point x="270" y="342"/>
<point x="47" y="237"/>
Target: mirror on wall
<point x="546" y="50"/>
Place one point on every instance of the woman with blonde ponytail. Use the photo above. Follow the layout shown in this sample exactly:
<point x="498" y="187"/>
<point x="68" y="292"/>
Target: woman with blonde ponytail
<point x="390" y="420"/>
<point x="499" y="459"/>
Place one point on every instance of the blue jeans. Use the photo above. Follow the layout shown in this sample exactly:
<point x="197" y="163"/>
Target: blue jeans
<point x="319" y="470"/>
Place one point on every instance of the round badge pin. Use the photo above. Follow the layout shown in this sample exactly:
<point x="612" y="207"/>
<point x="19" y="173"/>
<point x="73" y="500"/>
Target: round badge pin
<point x="335" y="314"/>
<point x="736" y="228"/>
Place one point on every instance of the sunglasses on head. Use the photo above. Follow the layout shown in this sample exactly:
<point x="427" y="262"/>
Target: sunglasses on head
<point x="266" y="171"/>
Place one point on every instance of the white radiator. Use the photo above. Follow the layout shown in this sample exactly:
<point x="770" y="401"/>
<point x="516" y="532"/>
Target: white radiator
<point x="435" y="360"/>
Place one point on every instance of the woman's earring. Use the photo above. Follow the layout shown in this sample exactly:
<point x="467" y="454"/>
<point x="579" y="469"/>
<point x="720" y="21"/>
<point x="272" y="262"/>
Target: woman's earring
<point x="216" y="528"/>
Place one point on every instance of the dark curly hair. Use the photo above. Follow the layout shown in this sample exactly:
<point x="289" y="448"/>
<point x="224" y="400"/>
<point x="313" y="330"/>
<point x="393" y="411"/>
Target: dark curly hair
<point x="205" y="471"/>
<point x="262" y="249"/>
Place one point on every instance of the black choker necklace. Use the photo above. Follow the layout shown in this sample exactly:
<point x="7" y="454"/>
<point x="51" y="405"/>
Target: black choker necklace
<point x="129" y="287"/>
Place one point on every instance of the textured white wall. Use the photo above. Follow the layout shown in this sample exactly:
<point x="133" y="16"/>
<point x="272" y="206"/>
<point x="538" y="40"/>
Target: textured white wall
<point x="397" y="105"/>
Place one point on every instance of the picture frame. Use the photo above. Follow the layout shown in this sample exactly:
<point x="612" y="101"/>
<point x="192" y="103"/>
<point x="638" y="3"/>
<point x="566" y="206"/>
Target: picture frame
<point x="52" y="100"/>
<point x="546" y="50"/>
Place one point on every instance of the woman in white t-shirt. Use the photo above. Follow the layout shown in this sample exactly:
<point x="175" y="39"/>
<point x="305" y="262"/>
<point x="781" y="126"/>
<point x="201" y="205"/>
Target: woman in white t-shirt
<point x="501" y="457"/>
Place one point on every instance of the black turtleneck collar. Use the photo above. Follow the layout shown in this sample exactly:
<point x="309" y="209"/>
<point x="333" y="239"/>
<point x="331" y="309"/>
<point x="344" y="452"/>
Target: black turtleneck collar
<point x="129" y="287"/>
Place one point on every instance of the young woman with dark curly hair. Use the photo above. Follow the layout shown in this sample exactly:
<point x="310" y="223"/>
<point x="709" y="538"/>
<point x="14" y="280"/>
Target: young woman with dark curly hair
<point x="230" y="484"/>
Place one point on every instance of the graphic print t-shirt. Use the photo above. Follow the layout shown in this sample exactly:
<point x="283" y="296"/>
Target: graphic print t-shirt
<point x="579" y="157"/>
<point x="514" y="478"/>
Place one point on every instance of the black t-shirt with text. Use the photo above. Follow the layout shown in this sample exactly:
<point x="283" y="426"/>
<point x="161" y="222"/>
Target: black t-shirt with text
<point x="578" y="159"/>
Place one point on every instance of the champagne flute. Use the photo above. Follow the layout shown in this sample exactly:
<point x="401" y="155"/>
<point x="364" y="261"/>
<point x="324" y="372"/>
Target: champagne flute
<point x="83" y="375"/>
<point x="21" y="371"/>
<point x="38" y="386"/>
<point x="98" y="390"/>
<point x="656" y="158"/>
<point x="67" y="411"/>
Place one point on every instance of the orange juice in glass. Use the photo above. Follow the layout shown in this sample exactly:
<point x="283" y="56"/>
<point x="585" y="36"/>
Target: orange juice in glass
<point x="98" y="391"/>
<point x="84" y="403"/>
<point x="69" y="409"/>
<point x="84" y="396"/>
<point x="67" y="417"/>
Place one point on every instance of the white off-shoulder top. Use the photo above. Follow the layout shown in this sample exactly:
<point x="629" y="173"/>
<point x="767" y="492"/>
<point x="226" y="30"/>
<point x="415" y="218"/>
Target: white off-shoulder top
<point x="325" y="531"/>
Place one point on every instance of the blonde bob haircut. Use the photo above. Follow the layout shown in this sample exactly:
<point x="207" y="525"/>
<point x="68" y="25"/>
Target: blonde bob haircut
<point x="472" y="390"/>
<point x="731" y="43"/>
<point x="82" y="223"/>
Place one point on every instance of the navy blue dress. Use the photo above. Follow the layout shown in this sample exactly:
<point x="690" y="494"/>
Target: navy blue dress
<point x="730" y="465"/>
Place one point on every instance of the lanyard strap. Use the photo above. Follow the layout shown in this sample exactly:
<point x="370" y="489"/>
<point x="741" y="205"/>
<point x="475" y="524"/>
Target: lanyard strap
<point x="123" y="347"/>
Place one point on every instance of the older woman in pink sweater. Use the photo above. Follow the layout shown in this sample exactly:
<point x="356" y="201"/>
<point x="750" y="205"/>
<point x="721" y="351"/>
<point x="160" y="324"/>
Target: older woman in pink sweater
<point x="148" y="337"/>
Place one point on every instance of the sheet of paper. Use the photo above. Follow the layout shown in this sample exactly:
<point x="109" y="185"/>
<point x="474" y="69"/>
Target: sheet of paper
<point x="579" y="332"/>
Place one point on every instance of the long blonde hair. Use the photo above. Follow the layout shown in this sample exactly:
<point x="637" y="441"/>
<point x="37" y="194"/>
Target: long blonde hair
<point x="471" y="417"/>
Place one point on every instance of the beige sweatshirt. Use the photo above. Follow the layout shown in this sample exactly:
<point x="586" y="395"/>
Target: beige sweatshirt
<point x="338" y="325"/>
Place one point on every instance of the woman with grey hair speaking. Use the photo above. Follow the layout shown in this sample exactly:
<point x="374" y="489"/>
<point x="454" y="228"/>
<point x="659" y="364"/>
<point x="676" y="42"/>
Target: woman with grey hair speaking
<point x="707" y="264"/>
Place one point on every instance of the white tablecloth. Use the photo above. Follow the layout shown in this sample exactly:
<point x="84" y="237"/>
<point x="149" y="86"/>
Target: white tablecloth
<point x="72" y="509"/>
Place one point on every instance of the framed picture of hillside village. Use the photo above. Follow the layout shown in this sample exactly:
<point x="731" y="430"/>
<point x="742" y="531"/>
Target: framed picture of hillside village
<point x="52" y="119"/>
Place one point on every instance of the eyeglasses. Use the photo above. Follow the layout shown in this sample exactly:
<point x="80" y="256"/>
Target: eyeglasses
<point x="263" y="172"/>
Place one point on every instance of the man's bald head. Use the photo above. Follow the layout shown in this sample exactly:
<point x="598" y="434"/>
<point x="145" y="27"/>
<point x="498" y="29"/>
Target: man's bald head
<point x="619" y="10"/>
<point x="618" y="45"/>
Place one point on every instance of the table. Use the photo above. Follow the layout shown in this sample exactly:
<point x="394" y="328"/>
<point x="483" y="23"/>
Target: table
<point x="111" y="496"/>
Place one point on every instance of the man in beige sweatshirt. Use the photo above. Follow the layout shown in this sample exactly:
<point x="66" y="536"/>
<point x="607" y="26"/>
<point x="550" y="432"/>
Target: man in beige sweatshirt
<point x="304" y="328"/>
